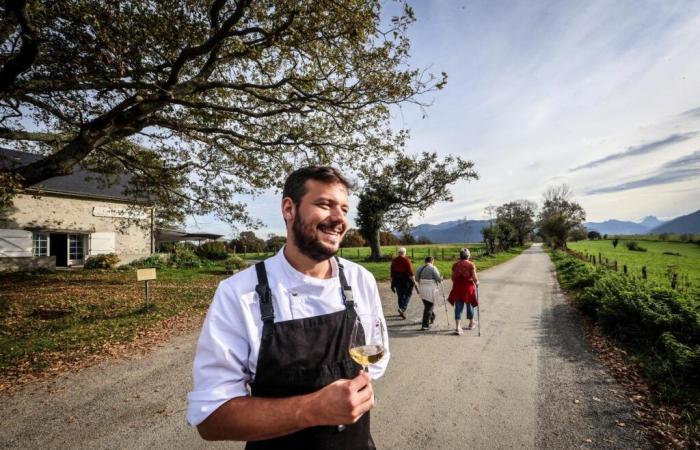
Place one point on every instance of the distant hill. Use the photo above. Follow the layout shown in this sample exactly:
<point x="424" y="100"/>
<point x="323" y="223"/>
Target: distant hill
<point x="651" y="222"/>
<point x="617" y="227"/>
<point x="689" y="223"/>
<point x="454" y="231"/>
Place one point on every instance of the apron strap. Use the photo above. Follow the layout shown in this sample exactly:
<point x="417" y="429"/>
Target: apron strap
<point x="345" y="289"/>
<point x="267" y="312"/>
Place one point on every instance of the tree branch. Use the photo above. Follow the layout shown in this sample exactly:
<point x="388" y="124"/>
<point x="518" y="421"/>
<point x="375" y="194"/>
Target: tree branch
<point x="18" y="135"/>
<point x="27" y="54"/>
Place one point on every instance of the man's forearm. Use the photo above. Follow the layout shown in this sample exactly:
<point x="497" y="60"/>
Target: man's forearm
<point x="343" y="401"/>
<point x="255" y="418"/>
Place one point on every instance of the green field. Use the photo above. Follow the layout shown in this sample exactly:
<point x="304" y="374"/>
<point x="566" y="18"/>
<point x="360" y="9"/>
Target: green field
<point x="445" y="255"/>
<point x="660" y="259"/>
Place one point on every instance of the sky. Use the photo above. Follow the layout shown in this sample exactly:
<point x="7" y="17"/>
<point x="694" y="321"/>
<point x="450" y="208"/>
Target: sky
<point x="601" y="95"/>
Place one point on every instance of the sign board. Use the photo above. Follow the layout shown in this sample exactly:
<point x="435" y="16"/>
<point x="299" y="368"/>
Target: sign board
<point x="145" y="274"/>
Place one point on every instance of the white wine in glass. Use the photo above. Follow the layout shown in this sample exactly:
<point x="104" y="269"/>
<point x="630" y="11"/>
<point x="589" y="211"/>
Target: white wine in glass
<point x="367" y="340"/>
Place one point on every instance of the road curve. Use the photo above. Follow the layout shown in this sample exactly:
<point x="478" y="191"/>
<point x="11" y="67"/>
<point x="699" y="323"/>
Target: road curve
<point x="529" y="381"/>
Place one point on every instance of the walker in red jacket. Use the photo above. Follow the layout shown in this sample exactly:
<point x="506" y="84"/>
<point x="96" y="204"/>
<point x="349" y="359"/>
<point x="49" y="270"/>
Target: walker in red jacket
<point x="464" y="288"/>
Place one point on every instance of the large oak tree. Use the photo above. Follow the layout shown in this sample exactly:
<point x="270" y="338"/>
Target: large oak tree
<point x="200" y="101"/>
<point x="409" y="185"/>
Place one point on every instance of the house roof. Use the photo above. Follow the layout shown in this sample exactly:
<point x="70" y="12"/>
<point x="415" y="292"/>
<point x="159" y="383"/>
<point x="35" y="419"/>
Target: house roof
<point x="82" y="182"/>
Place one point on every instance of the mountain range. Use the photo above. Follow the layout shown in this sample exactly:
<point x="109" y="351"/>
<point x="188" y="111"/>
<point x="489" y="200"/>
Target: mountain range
<point x="455" y="231"/>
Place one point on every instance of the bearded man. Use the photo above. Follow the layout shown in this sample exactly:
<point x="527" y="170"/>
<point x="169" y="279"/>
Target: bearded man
<point x="272" y="364"/>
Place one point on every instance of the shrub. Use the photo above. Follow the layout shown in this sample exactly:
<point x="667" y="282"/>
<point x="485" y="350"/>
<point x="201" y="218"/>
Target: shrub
<point x="154" y="261"/>
<point x="661" y="325"/>
<point x="213" y="251"/>
<point x="184" y="258"/>
<point x="634" y="247"/>
<point x="234" y="263"/>
<point x="104" y="261"/>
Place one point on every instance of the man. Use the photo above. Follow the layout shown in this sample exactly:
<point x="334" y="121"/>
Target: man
<point x="428" y="279"/>
<point x="402" y="280"/>
<point x="272" y="364"/>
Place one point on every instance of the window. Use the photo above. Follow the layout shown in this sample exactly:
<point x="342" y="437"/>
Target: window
<point x="40" y="244"/>
<point x="75" y="246"/>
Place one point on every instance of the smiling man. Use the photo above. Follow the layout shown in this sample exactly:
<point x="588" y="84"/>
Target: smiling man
<point x="272" y="365"/>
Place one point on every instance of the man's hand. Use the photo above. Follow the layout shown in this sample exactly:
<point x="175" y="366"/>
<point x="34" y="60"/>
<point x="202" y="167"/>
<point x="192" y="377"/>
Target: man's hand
<point x="343" y="402"/>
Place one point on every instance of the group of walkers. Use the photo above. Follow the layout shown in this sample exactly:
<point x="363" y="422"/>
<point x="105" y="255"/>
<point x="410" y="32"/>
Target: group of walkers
<point x="427" y="282"/>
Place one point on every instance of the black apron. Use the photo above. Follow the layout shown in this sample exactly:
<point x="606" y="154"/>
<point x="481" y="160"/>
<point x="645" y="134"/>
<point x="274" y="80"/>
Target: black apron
<point x="301" y="356"/>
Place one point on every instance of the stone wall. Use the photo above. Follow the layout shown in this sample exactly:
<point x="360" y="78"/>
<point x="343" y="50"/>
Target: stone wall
<point x="28" y="263"/>
<point x="74" y="214"/>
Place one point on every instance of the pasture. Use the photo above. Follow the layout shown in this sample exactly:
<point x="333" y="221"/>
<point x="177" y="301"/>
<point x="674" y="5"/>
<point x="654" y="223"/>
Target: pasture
<point x="660" y="258"/>
<point x="445" y="255"/>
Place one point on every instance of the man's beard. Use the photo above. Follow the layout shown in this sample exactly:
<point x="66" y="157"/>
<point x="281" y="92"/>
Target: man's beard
<point x="307" y="242"/>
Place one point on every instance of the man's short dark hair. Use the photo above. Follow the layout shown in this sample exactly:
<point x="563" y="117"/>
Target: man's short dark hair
<point x="429" y="259"/>
<point x="295" y="185"/>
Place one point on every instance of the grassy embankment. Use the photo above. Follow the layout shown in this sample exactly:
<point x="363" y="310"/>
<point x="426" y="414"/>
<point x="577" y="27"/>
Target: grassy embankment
<point x="659" y="327"/>
<point x="49" y="320"/>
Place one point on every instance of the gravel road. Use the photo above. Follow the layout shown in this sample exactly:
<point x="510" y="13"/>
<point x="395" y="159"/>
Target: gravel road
<point x="529" y="381"/>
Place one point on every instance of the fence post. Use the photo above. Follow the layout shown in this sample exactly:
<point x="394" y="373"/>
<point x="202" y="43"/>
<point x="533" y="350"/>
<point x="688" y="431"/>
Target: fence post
<point x="644" y="272"/>
<point x="443" y="254"/>
<point x="412" y="256"/>
<point x="341" y="252"/>
<point x="600" y="258"/>
<point x="358" y="252"/>
<point x="244" y="251"/>
<point x="674" y="281"/>
<point x="615" y="262"/>
<point x="624" y="268"/>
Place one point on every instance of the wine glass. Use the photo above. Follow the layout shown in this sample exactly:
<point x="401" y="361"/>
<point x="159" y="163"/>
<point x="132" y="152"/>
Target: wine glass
<point x="367" y="340"/>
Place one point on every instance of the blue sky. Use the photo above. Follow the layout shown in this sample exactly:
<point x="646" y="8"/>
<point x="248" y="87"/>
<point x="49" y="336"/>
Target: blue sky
<point x="602" y="95"/>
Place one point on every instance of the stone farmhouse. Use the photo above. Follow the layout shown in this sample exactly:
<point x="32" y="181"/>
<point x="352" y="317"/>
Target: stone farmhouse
<point x="66" y="219"/>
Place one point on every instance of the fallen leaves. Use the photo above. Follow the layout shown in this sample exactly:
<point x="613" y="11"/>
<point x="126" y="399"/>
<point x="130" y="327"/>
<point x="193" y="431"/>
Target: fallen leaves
<point x="54" y="323"/>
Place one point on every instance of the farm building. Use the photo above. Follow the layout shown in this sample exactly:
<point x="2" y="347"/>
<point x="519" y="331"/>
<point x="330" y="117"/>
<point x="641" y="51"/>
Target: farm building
<point x="67" y="219"/>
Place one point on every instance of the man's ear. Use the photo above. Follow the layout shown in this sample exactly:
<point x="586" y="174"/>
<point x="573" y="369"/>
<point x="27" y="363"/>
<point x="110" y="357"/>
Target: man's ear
<point x="288" y="209"/>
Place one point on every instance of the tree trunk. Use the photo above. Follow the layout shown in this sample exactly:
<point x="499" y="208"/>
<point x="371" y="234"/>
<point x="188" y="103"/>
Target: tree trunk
<point x="376" y="251"/>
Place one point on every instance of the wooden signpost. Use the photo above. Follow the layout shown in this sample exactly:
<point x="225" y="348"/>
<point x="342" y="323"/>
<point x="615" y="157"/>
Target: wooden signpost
<point x="146" y="275"/>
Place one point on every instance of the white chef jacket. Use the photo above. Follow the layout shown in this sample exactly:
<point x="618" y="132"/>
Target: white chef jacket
<point x="227" y="350"/>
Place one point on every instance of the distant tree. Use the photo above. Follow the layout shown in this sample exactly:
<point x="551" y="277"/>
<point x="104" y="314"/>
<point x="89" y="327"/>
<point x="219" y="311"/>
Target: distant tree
<point x="388" y="238"/>
<point x="408" y="186"/>
<point x="201" y="101"/>
<point x="274" y="243"/>
<point x="424" y="240"/>
<point x="664" y="236"/>
<point x="605" y="236"/>
<point x="686" y="237"/>
<point x="578" y="233"/>
<point x="490" y="235"/>
<point x="247" y="241"/>
<point x="520" y="217"/>
<point x="559" y="216"/>
<point x="353" y="238"/>
<point x="593" y="235"/>
<point x="615" y="242"/>
<point x="407" y="238"/>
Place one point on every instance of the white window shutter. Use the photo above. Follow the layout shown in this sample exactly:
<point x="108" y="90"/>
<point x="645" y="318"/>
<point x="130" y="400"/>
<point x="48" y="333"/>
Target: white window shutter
<point x="101" y="243"/>
<point x="15" y="243"/>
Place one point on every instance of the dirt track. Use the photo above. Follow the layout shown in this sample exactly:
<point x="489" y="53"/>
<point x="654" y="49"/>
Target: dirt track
<point x="529" y="381"/>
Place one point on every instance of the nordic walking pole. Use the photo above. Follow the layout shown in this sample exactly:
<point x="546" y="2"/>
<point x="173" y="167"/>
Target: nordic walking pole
<point x="444" y="302"/>
<point x="478" y="310"/>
